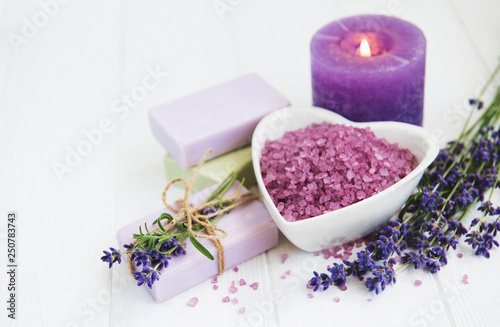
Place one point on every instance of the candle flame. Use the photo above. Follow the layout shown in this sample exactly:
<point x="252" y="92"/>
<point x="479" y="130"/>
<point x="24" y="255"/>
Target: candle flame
<point x="364" y="49"/>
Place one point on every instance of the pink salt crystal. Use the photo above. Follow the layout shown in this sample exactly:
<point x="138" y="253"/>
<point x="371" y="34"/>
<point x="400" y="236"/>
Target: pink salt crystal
<point x="242" y="310"/>
<point x="242" y="282"/>
<point x="235" y="269"/>
<point x="284" y="256"/>
<point x="214" y="280"/>
<point x="343" y="288"/>
<point x="193" y="302"/>
<point x="326" y="254"/>
<point x="460" y="255"/>
<point x="287" y="272"/>
<point x="465" y="279"/>
<point x="369" y="300"/>
<point x="336" y="299"/>
<point x="316" y="253"/>
<point x="254" y="285"/>
<point x="309" y="295"/>
<point x="226" y="299"/>
<point x="418" y="282"/>
<point x="234" y="300"/>
<point x="309" y="286"/>
<point x="282" y="276"/>
<point x="233" y="289"/>
<point x="348" y="246"/>
<point x="216" y="287"/>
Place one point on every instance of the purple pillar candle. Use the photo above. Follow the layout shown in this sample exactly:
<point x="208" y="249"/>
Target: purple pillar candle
<point x="370" y="68"/>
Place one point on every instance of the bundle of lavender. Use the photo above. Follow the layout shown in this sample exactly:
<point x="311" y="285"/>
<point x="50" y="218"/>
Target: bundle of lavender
<point x="463" y="177"/>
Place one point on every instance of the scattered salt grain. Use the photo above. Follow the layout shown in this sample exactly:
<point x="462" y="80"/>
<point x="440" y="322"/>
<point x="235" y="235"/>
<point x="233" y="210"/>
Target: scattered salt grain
<point x="343" y="288"/>
<point x="232" y="288"/>
<point x="465" y="279"/>
<point x="282" y="276"/>
<point x="226" y="299"/>
<point x="460" y="255"/>
<point x="193" y="302"/>
<point x="309" y="295"/>
<point x="336" y="299"/>
<point x="325" y="167"/>
<point x="235" y="269"/>
<point x="242" y="282"/>
<point x="316" y="253"/>
<point x="216" y="287"/>
<point x="418" y="282"/>
<point x="214" y="280"/>
<point x="287" y="272"/>
<point x="234" y="300"/>
<point x="284" y="256"/>
<point x="242" y="310"/>
<point x="368" y="300"/>
<point x="254" y="285"/>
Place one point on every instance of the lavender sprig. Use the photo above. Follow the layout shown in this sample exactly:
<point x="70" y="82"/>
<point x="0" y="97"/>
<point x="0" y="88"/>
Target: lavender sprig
<point x="432" y="221"/>
<point x="153" y="250"/>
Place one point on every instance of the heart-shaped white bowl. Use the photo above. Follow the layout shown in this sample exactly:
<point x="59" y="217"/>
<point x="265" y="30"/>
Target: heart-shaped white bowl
<point x="358" y="219"/>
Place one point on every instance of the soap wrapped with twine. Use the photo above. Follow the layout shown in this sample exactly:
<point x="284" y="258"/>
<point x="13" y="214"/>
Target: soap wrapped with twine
<point x="195" y="220"/>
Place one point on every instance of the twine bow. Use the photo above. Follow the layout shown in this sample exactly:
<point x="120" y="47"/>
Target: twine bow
<point x="185" y="212"/>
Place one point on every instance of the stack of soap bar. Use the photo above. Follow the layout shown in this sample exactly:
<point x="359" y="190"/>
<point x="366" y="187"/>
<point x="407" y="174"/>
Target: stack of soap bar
<point x="216" y="170"/>
<point x="222" y="118"/>
<point x="250" y="229"/>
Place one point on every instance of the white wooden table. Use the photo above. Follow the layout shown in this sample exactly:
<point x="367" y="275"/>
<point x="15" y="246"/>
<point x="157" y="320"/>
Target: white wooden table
<point x="68" y="67"/>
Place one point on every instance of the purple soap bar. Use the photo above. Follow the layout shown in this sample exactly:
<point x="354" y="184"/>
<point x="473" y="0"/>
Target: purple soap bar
<point x="250" y="229"/>
<point x="222" y="118"/>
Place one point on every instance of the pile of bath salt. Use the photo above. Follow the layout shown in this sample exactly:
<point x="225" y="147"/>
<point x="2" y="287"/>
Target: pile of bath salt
<point x="324" y="167"/>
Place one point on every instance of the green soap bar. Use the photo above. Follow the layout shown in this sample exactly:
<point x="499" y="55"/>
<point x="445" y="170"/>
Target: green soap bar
<point x="216" y="170"/>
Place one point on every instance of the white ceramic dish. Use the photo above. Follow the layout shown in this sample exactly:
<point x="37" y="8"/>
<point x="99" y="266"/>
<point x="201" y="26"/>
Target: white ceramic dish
<point x="352" y="222"/>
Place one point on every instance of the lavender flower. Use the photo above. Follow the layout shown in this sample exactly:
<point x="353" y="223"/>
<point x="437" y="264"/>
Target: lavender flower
<point x="112" y="257"/>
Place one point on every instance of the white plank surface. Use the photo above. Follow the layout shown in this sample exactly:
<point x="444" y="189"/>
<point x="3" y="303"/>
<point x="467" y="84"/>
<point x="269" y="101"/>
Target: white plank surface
<point x="76" y="70"/>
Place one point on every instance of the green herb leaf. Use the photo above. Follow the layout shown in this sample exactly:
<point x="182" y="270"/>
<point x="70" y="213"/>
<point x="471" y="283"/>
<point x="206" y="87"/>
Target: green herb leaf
<point x="146" y="226"/>
<point x="201" y="248"/>
<point x="166" y="216"/>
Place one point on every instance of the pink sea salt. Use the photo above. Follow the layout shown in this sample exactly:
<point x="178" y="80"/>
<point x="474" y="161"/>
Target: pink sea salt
<point x="418" y="282"/>
<point x="460" y="255"/>
<point x="232" y="288"/>
<point x="325" y="167"/>
<point x="284" y="256"/>
<point x="242" y="282"/>
<point x="465" y="279"/>
<point x="254" y="285"/>
<point x="282" y="276"/>
<point x="214" y="280"/>
<point x="193" y="302"/>
<point x="216" y="287"/>
<point x="309" y="295"/>
<point x="242" y="310"/>
<point x="226" y="299"/>
<point x="336" y="299"/>
<point x="234" y="300"/>
<point x="235" y="269"/>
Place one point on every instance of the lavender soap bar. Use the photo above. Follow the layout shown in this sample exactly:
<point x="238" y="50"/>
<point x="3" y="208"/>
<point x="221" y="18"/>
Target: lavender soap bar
<point x="250" y="229"/>
<point x="222" y="118"/>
